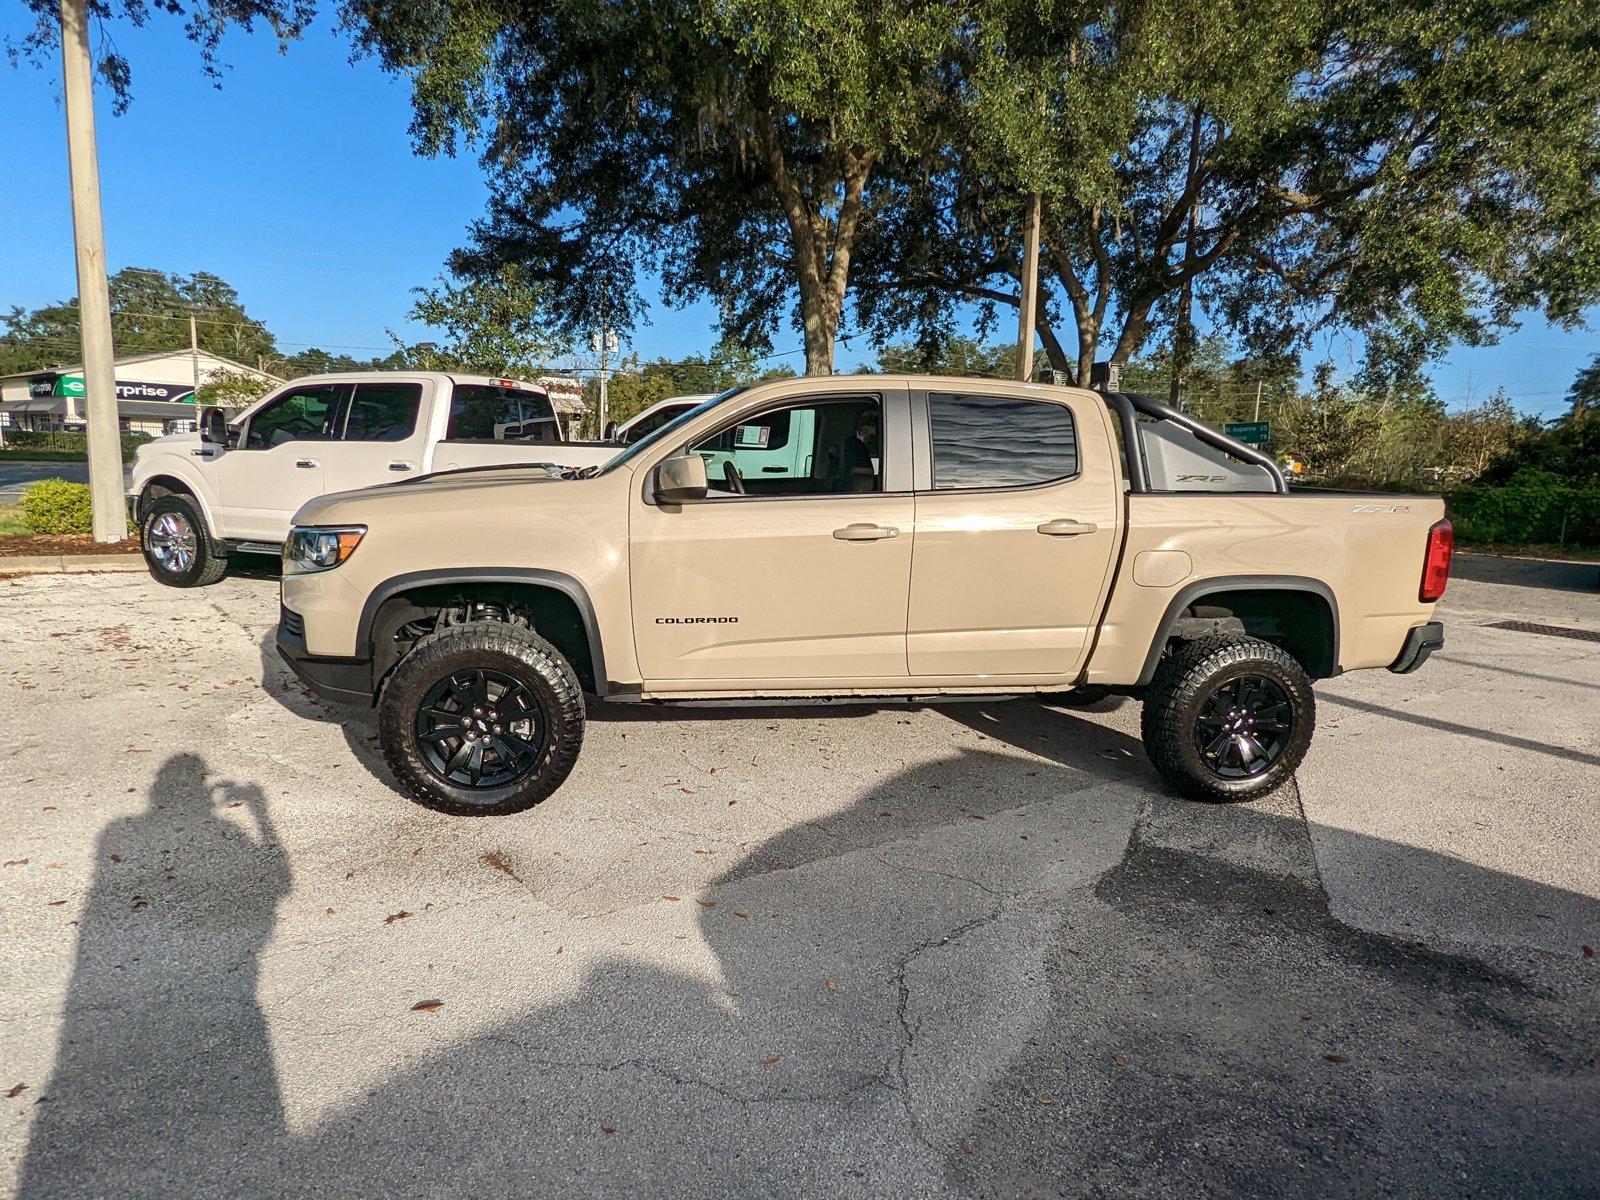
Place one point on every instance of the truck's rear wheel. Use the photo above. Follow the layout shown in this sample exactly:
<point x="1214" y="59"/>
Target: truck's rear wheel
<point x="176" y="547"/>
<point x="481" y="719"/>
<point x="1228" y="718"/>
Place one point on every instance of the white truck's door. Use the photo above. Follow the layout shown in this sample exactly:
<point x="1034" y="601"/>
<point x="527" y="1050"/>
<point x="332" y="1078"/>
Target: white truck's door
<point x="277" y="465"/>
<point x="382" y="436"/>
<point x="490" y="424"/>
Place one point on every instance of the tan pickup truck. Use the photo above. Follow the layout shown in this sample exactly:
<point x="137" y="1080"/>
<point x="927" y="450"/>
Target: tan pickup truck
<point x="905" y="538"/>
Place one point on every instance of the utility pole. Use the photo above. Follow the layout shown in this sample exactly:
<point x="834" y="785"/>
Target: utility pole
<point x="1027" y="308"/>
<point x="194" y="354"/>
<point x="110" y="518"/>
<point x="1257" y="417"/>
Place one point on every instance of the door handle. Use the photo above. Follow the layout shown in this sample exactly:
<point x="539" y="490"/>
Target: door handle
<point x="399" y="466"/>
<point x="774" y="470"/>
<point x="305" y="463"/>
<point x="865" y="533"/>
<point x="1066" y="528"/>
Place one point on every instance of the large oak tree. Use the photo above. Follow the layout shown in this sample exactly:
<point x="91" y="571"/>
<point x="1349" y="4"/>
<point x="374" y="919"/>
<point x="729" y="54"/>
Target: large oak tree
<point x="1417" y="171"/>
<point x="731" y="144"/>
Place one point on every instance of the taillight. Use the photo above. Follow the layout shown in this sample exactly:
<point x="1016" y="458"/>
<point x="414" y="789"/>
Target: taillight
<point x="1436" y="563"/>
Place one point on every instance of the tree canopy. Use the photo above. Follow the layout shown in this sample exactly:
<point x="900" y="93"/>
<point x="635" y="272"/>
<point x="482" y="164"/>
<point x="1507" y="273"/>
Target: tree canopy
<point x="150" y="311"/>
<point x="730" y="144"/>
<point x="1416" y="172"/>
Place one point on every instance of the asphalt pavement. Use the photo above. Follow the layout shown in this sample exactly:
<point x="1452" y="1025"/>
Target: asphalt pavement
<point x="973" y="950"/>
<point x="18" y="477"/>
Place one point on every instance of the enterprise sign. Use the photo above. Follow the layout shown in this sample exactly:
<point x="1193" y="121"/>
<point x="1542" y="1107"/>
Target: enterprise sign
<point x="72" y="385"/>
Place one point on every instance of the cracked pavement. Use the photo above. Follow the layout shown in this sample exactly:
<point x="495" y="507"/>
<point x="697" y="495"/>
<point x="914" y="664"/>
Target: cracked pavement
<point x="971" y="950"/>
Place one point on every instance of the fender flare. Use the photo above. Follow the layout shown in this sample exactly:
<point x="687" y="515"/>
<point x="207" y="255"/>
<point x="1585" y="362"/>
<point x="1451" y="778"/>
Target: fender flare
<point x="555" y="580"/>
<point x="197" y="492"/>
<point x="1201" y="588"/>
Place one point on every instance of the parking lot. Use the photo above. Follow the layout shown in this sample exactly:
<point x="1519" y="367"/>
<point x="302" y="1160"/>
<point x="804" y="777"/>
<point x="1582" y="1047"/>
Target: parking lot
<point x="966" y="950"/>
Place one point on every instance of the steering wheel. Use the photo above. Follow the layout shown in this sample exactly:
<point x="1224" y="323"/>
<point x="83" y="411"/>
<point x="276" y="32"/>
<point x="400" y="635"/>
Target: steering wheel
<point x="734" y="480"/>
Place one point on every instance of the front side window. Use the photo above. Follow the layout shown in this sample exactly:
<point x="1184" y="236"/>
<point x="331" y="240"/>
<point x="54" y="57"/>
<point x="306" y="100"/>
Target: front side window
<point x="999" y="441"/>
<point x="306" y="414"/>
<point x="816" y="448"/>
<point x="481" y="412"/>
<point x="383" y="412"/>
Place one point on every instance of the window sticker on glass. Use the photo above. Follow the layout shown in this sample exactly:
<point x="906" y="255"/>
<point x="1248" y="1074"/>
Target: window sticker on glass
<point x="753" y="437"/>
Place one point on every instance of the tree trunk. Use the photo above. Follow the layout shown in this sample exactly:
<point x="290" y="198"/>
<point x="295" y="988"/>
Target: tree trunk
<point x="822" y="248"/>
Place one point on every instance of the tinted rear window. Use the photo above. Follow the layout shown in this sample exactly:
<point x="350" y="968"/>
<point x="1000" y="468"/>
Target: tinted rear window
<point x="482" y="412"/>
<point x="999" y="442"/>
<point x="383" y="412"/>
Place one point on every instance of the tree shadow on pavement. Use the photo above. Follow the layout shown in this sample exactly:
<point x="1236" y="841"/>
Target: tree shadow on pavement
<point x="1032" y="976"/>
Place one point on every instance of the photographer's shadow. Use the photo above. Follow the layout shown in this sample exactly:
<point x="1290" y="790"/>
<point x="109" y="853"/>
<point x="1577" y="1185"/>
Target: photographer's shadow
<point x="163" y="1068"/>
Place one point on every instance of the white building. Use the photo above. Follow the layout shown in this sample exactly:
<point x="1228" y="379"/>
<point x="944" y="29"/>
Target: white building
<point x="155" y="392"/>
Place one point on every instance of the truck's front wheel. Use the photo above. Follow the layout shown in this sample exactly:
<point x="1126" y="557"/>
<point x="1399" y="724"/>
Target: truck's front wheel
<point x="176" y="547"/>
<point x="1228" y="718"/>
<point x="481" y="719"/>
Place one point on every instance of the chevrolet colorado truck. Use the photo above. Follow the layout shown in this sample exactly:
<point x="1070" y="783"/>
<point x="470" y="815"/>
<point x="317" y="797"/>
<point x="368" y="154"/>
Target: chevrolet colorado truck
<point x="921" y="539"/>
<point x="196" y="496"/>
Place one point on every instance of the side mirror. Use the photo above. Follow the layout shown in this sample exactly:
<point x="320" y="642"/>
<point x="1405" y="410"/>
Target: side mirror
<point x="609" y="434"/>
<point x="213" y="427"/>
<point x="681" y="478"/>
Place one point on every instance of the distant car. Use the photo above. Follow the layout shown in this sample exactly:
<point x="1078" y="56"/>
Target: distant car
<point x="235" y="485"/>
<point x="653" y="418"/>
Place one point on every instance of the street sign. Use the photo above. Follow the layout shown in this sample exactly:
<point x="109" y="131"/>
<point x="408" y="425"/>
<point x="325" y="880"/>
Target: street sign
<point x="1251" y="433"/>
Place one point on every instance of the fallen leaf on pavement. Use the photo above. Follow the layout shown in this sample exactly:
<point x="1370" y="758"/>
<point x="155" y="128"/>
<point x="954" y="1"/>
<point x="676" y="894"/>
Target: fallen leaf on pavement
<point x="672" y="897"/>
<point x="427" y="1006"/>
<point x="1046" y="1100"/>
<point x="559" y="949"/>
<point x="770" y="1062"/>
<point x="1119" y="1060"/>
<point x="56" y="866"/>
<point x="830" y="985"/>
<point x="1336" y="1058"/>
<point x="706" y="903"/>
<point x="393" y="917"/>
<point x="742" y="916"/>
<point x="327" y="912"/>
<point x="16" y="1091"/>
<point x="609" y="1128"/>
<point x="22" y="862"/>
<point x="1588" y="951"/>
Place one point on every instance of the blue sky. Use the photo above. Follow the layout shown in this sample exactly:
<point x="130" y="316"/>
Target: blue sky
<point x="296" y="183"/>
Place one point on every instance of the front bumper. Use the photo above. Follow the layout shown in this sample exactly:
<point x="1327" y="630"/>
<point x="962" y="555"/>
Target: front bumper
<point x="342" y="680"/>
<point x="1420" y="643"/>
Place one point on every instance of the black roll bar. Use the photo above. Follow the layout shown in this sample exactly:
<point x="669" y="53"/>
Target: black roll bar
<point x="1126" y="404"/>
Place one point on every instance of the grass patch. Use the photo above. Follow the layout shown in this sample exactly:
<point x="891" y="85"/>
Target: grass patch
<point x="11" y="520"/>
<point x="1569" y="553"/>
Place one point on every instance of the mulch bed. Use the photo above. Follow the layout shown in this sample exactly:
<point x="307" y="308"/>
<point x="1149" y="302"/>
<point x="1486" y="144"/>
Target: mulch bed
<point x="23" y="545"/>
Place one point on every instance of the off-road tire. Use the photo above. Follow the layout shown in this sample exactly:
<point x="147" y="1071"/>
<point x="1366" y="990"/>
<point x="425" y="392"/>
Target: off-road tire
<point x="504" y="648"/>
<point x="209" y="562"/>
<point x="1185" y="683"/>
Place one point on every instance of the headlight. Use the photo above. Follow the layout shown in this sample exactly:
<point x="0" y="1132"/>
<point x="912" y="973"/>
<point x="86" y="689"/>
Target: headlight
<point x="313" y="548"/>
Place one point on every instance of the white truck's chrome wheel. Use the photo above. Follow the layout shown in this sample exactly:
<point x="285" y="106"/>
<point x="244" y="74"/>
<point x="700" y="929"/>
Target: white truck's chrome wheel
<point x="172" y="542"/>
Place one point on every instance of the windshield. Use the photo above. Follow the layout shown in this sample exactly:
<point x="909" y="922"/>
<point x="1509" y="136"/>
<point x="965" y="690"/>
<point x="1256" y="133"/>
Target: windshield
<point x="656" y="436"/>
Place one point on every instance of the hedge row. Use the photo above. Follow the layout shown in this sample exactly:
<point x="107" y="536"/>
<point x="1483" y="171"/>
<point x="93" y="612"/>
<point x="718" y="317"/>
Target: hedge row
<point x="1512" y="515"/>
<point x="76" y="443"/>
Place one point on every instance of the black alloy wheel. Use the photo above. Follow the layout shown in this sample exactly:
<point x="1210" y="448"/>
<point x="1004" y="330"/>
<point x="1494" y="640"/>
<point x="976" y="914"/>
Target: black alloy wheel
<point x="481" y="719"/>
<point x="1244" y="726"/>
<point x="1228" y="718"/>
<point x="480" y="729"/>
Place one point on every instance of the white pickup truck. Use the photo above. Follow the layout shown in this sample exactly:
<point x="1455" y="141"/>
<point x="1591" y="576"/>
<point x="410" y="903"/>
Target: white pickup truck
<point x="235" y="485"/>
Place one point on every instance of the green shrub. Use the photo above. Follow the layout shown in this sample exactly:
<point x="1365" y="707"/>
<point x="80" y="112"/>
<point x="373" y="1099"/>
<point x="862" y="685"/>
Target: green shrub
<point x="68" y="441"/>
<point x="56" y="506"/>
<point x="1531" y="512"/>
